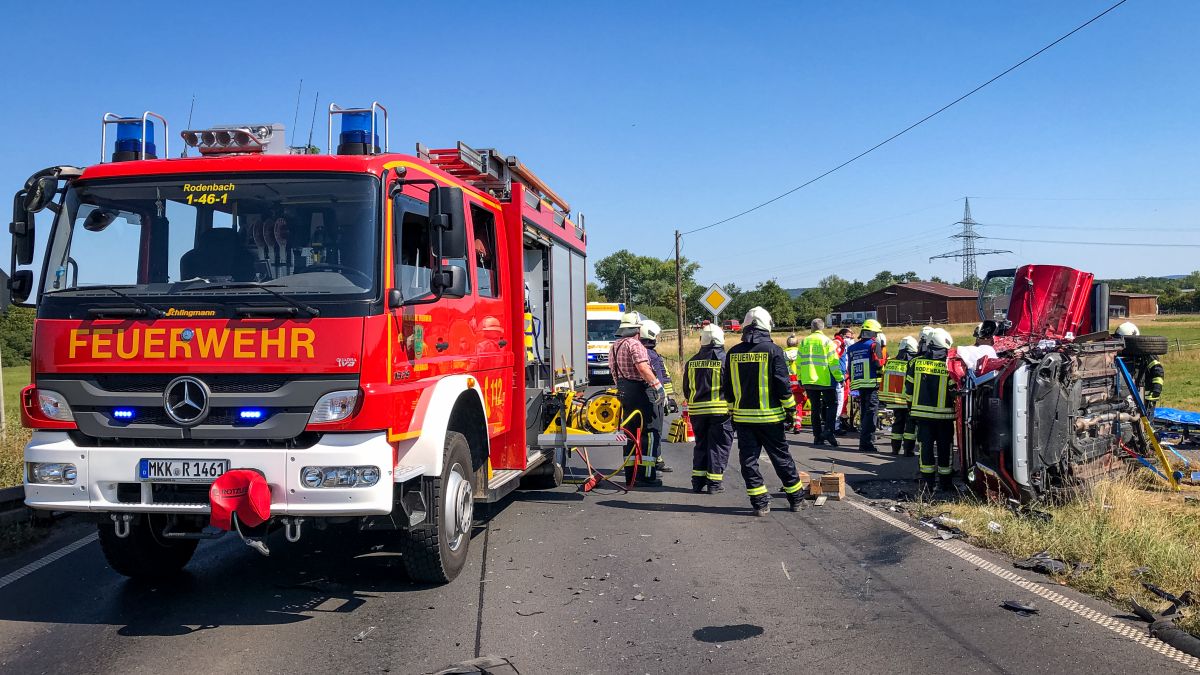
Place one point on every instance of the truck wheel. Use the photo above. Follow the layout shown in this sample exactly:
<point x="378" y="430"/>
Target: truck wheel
<point x="144" y="554"/>
<point x="435" y="552"/>
<point x="547" y="476"/>
<point x="1154" y="345"/>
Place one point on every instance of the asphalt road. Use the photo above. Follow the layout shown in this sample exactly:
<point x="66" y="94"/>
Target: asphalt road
<point x="656" y="581"/>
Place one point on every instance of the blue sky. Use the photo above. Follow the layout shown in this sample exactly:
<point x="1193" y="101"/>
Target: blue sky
<point x="654" y="116"/>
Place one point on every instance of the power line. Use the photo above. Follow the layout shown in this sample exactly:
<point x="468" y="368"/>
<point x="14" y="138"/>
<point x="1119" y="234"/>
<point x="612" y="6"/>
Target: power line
<point x="1095" y="243"/>
<point x="1096" y="228"/>
<point x="909" y="128"/>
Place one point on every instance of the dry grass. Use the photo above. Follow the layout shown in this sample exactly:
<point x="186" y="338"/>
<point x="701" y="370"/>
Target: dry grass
<point x="1117" y="527"/>
<point x="12" y="444"/>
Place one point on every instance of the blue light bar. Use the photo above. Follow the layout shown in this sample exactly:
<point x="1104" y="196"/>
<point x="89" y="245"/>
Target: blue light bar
<point x="356" y="130"/>
<point x="251" y="414"/>
<point x="122" y="413"/>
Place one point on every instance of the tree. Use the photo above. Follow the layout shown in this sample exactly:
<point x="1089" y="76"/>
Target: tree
<point x="972" y="282"/>
<point x="16" y="336"/>
<point x="644" y="281"/>
<point x="594" y="294"/>
<point x="938" y="280"/>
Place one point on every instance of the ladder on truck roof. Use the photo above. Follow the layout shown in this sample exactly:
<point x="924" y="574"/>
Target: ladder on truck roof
<point x="489" y="170"/>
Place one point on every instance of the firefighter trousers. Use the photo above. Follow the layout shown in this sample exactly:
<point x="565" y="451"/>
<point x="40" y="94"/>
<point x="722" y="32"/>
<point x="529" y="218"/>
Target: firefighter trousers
<point x="934" y="438"/>
<point x="714" y="438"/>
<point x="868" y="406"/>
<point x="903" y="434"/>
<point x="823" y="404"/>
<point x="635" y="395"/>
<point x="753" y="439"/>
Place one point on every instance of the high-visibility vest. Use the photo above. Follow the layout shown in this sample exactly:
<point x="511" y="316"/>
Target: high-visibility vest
<point x="817" y="363"/>
<point x="891" y="389"/>
<point x="864" y="367"/>
<point x="928" y="382"/>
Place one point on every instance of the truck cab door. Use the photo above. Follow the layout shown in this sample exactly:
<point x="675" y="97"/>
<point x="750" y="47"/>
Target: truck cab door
<point x="494" y="332"/>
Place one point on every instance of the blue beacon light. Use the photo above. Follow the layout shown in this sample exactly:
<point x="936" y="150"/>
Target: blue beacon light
<point x="251" y="414"/>
<point x="123" y="413"/>
<point x="129" y="140"/>
<point x="356" y="138"/>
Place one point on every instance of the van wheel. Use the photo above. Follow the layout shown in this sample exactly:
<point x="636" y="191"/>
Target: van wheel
<point x="144" y="554"/>
<point x="1153" y="345"/>
<point x="435" y="552"/>
<point x="547" y="476"/>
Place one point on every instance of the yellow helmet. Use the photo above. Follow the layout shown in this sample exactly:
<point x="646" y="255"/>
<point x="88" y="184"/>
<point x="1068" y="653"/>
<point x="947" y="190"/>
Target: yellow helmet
<point x="872" y="325"/>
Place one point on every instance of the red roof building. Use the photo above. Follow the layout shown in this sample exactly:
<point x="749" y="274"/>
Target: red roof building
<point x="918" y="302"/>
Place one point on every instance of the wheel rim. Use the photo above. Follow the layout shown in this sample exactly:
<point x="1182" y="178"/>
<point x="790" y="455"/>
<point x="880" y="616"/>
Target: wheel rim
<point x="459" y="506"/>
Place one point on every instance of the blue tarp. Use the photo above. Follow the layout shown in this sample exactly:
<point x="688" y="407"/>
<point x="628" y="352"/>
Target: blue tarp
<point x="1176" y="416"/>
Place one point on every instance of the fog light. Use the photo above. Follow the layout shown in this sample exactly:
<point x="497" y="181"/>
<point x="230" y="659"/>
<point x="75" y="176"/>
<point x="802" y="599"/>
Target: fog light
<point x="368" y="475"/>
<point x="52" y="473"/>
<point x="340" y="476"/>
<point x="54" y="406"/>
<point x="334" y="407"/>
<point x="312" y="476"/>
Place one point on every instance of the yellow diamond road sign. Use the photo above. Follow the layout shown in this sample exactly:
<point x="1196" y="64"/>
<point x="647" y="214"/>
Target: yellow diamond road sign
<point x="715" y="299"/>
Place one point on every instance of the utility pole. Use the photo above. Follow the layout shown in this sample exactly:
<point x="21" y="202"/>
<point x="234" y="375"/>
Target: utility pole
<point x="625" y="290"/>
<point x="678" y="297"/>
<point x="968" y="252"/>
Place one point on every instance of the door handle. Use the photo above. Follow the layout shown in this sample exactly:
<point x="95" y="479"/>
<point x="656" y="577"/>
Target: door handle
<point x="442" y="346"/>
<point x="503" y="343"/>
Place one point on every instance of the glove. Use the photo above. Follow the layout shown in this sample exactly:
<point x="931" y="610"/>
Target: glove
<point x="789" y="418"/>
<point x="658" y="395"/>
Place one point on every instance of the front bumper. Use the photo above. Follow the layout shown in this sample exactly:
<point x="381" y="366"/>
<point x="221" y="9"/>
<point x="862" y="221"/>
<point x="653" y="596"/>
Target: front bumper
<point x="103" y="472"/>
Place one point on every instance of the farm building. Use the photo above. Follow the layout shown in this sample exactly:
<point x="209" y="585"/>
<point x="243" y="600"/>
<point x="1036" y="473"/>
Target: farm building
<point x="1121" y="304"/>
<point x="912" y="303"/>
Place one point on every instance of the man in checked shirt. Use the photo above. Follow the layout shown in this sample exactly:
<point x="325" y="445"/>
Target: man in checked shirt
<point x="638" y="389"/>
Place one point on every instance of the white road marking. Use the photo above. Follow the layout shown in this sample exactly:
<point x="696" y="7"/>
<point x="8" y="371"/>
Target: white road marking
<point x="785" y="572"/>
<point x="46" y="560"/>
<point x="1123" y="629"/>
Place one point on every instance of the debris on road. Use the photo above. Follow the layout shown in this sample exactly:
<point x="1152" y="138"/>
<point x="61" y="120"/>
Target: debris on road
<point x="520" y="613"/>
<point x="995" y="527"/>
<point x="639" y="597"/>
<point x="820" y="501"/>
<point x="944" y="523"/>
<point x="363" y="634"/>
<point x="495" y="665"/>
<point x="1043" y="563"/>
<point x="1021" y="608"/>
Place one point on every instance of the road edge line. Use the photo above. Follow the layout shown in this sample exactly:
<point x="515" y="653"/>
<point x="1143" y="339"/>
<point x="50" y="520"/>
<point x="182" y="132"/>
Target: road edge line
<point x="1079" y="609"/>
<point x="12" y="577"/>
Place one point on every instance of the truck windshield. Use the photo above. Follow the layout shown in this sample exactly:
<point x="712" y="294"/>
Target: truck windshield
<point x="313" y="234"/>
<point x="599" y="330"/>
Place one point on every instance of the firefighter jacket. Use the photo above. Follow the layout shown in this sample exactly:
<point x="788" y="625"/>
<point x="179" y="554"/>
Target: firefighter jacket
<point x="865" y="364"/>
<point x="1148" y="374"/>
<point x="660" y="370"/>
<point x="893" y="376"/>
<point x="702" y="382"/>
<point x="791" y="354"/>
<point x="818" y="364"/>
<point x="755" y="381"/>
<point x="928" y="387"/>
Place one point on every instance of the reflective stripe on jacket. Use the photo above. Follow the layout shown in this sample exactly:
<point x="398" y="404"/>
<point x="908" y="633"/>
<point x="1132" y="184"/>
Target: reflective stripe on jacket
<point x="755" y="381"/>
<point x="929" y="388"/>
<point x="891" y="391"/>
<point x="702" y="382"/>
<point x="864" y="365"/>
<point x="817" y="363"/>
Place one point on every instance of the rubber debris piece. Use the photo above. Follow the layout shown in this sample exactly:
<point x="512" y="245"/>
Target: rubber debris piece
<point x="1043" y="563"/>
<point x="1021" y="608"/>
<point x="496" y="665"/>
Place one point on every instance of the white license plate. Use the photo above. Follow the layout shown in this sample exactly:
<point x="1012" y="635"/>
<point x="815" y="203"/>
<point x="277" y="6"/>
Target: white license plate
<point x="601" y="371"/>
<point x="182" y="470"/>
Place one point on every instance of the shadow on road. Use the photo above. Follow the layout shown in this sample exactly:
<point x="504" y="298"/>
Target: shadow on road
<point x="677" y="508"/>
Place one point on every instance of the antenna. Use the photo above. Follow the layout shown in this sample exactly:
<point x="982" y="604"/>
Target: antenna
<point x="296" y="117"/>
<point x="191" y="110"/>
<point x="968" y="252"/>
<point x="313" y="123"/>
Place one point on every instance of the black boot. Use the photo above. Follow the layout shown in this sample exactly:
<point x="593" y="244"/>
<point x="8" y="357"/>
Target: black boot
<point x="910" y="448"/>
<point x="715" y="487"/>
<point x="699" y="485"/>
<point x="896" y="446"/>
<point x="832" y="440"/>
<point x="761" y="511"/>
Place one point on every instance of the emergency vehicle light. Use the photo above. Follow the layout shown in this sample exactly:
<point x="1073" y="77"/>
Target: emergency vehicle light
<point x="251" y="414"/>
<point x="122" y="413"/>
<point x="253" y="138"/>
<point x="360" y="129"/>
<point x="135" y="136"/>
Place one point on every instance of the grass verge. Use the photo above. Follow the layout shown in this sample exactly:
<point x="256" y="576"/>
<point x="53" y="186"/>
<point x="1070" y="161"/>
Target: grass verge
<point x="1125" y="531"/>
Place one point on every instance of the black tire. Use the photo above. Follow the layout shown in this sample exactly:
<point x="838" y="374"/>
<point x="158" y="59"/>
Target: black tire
<point x="435" y="551"/>
<point x="144" y="554"/>
<point x="1152" y="345"/>
<point x="547" y="476"/>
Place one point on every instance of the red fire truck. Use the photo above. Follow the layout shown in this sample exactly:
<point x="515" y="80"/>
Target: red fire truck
<point x="362" y="337"/>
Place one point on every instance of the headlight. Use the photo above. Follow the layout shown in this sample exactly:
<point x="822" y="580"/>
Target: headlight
<point x="54" y="406"/>
<point x="340" y="476"/>
<point x="334" y="407"/>
<point x="52" y="473"/>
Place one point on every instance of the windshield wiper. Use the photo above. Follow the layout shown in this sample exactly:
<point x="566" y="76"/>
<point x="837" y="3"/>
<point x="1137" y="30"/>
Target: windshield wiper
<point x="141" y="309"/>
<point x="304" y="307"/>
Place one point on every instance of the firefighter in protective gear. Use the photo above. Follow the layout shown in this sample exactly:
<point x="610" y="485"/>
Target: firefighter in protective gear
<point x="638" y="388"/>
<point x="648" y="333"/>
<point x="756" y="385"/>
<point x="867" y="357"/>
<point x="891" y="394"/>
<point x="923" y="340"/>
<point x="820" y="371"/>
<point x="1146" y="370"/>
<point x="931" y="393"/>
<point x="791" y="354"/>
<point x="708" y="411"/>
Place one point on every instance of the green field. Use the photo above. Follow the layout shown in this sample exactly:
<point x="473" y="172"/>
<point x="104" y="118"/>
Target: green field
<point x="14" y="436"/>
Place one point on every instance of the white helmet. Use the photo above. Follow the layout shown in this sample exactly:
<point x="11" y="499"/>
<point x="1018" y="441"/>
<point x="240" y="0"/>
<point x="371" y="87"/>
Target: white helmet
<point x="649" y="330"/>
<point x="940" y="338"/>
<point x="758" y="317"/>
<point x="630" y="322"/>
<point x="926" y="332"/>
<point x="1127" y="329"/>
<point x="908" y="343"/>
<point x="712" y="335"/>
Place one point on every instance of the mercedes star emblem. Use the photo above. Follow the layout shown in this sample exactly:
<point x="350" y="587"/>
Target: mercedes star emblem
<point x="186" y="401"/>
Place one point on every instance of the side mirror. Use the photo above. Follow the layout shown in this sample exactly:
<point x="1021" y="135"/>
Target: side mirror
<point x="446" y="213"/>
<point x="20" y="286"/>
<point x="395" y="299"/>
<point x="41" y="194"/>
<point x="21" y="229"/>
<point x="451" y="281"/>
<point x="99" y="219"/>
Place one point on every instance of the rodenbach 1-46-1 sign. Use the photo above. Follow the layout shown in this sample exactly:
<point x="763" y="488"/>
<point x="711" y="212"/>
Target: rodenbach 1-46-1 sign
<point x="715" y="299"/>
